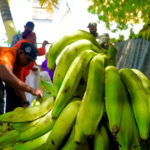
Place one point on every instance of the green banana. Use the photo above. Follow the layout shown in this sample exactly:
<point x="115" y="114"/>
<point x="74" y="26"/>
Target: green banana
<point x="81" y="88"/>
<point x="137" y="143"/>
<point x="111" y="54"/>
<point x="1" y="127"/>
<point x="63" y="125"/>
<point x="85" y="73"/>
<point x="86" y="70"/>
<point x="4" y="127"/>
<point x="101" y="139"/>
<point x="80" y="137"/>
<point x="126" y="133"/>
<point x="68" y="55"/>
<point x="9" y="148"/>
<point x="39" y="148"/>
<point x="44" y="125"/>
<point x="71" y="81"/>
<point x="18" y="108"/>
<point x="139" y="100"/>
<point x="70" y="144"/>
<point x="38" y="101"/>
<point x="113" y="98"/>
<point x="136" y="138"/>
<point x="46" y="95"/>
<point x="8" y="139"/>
<point x="48" y="86"/>
<point x="28" y="114"/>
<point x="33" y="144"/>
<point x="20" y="127"/>
<point x="146" y="84"/>
<point x="94" y="96"/>
<point x="65" y="39"/>
<point x="35" y="102"/>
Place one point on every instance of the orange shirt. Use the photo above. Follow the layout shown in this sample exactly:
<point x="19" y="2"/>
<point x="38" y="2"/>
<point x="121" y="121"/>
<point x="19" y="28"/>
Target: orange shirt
<point x="40" y="50"/>
<point x="27" y="69"/>
<point x="8" y="57"/>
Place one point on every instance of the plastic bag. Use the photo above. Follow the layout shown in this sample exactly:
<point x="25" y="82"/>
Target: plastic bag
<point x="45" y="76"/>
<point x="33" y="81"/>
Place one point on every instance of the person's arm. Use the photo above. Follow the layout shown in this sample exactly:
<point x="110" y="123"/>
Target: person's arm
<point x="44" y="43"/>
<point x="9" y="78"/>
<point x="42" y="50"/>
<point x="22" y="97"/>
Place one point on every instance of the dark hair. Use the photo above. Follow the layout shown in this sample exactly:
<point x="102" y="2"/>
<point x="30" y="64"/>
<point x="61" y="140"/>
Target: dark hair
<point x="29" y="24"/>
<point x="26" y="33"/>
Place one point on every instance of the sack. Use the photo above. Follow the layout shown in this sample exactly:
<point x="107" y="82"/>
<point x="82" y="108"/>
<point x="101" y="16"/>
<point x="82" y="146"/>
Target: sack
<point x="33" y="81"/>
<point x="45" y="76"/>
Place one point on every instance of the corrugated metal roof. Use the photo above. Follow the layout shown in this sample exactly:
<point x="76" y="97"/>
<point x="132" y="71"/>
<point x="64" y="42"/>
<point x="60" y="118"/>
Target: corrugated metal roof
<point x="134" y="53"/>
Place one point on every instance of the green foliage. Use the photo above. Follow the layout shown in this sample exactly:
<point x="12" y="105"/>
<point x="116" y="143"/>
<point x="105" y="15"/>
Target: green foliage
<point x="114" y="30"/>
<point x="132" y="34"/>
<point x="121" y="37"/>
<point x="5" y="40"/>
<point x="19" y="32"/>
<point x="123" y="12"/>
<point x="114" y="40"/>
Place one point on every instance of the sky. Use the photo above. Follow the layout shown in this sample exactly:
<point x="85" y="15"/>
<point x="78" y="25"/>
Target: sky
<point x="76" y="18"/>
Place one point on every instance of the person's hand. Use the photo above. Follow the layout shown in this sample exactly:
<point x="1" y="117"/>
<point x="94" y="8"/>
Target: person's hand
<point x="44" y="43"/>
<point x="25" y="106"/>
<point x="37" y="92"/>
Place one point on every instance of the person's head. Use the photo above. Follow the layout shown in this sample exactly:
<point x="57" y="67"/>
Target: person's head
<point x="32" y="38"/>
<point x="28" y="28"/>
<point x="92" y="28"/>
<point x="29" y="25"/>
<point x="26" y="53"/>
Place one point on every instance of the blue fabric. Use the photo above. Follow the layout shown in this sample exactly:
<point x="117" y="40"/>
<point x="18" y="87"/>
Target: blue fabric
<point x="15" y="39"/>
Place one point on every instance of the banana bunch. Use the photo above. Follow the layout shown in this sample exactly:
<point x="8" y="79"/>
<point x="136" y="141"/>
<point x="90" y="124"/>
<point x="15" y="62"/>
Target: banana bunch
<point x="91" y="105"/>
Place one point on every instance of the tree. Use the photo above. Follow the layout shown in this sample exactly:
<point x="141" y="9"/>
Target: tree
<point x="122" y="12"/>
<point x="7" y="17"/>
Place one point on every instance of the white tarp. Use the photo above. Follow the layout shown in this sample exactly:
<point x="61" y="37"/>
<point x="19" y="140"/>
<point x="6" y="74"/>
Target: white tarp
<point x="33" y="81"/>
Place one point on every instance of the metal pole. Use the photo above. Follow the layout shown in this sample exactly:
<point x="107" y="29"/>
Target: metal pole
<point x="42" y="43"/>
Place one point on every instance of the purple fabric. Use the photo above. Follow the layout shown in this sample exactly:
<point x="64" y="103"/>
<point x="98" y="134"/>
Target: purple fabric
<point x="44" y="66"/>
